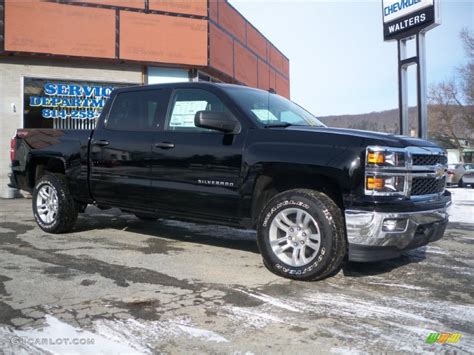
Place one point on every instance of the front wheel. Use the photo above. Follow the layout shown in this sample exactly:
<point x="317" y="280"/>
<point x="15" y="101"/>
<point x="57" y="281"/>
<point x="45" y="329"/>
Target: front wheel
<point x="301" y="235"/>
<point x="461" y="183"/>
<point x="53" y="206"/>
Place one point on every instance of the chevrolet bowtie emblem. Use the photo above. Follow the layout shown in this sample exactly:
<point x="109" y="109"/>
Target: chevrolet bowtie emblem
<point x="439" y="171"/>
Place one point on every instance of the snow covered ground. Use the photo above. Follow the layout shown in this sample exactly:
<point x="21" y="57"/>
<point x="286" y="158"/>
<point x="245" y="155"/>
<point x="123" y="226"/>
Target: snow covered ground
<point x="139" y="288"/>
<point x="462" y="209"/>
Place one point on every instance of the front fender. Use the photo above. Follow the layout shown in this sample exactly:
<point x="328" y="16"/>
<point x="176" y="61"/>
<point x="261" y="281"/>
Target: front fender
<point x="301" y="164"/>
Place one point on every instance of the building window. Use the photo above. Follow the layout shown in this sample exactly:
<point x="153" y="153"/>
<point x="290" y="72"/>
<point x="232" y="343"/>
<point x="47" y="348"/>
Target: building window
<point x="469" y="157"/>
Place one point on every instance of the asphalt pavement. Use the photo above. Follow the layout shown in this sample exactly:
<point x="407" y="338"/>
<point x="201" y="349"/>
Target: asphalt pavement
<point x="120" y="285"/>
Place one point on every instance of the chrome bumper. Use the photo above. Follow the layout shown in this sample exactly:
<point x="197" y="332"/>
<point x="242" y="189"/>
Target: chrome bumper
<point x="366" y="231"/>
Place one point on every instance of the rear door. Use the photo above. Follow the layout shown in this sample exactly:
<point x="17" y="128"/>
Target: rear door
<point x="196" y="171"/>
<point x="121" y="149"/>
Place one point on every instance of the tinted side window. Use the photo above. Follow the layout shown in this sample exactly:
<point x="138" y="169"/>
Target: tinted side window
<point x="134" y="111"/>
<point x="184" y="105"/>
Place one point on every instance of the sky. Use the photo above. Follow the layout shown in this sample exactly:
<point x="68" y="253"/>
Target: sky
<point x="339" y="63"/>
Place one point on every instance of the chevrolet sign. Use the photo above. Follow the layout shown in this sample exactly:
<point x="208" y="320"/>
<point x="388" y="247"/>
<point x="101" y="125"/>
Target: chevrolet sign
<point x="405" y="18"/>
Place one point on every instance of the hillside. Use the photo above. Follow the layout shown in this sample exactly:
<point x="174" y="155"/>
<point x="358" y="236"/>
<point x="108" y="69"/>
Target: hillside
<point x="384" y="121"/>
<point x="387" y="121"/>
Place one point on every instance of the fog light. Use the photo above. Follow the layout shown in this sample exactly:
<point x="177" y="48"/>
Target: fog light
<point x="394" y="225"/>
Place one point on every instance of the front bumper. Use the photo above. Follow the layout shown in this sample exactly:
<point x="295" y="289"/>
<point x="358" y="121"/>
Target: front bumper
<point x="370" y="241"/>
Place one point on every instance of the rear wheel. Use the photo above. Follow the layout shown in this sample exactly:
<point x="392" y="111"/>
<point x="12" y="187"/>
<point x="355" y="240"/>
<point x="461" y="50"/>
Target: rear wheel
<point x="54" y="208"/>
<point x="301" y="235"/>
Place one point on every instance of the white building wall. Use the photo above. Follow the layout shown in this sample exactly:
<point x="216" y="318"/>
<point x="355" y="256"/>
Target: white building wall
<point x="14" y="69"/>
<point x="453" y="156"/>
<point x="157" y="75"/>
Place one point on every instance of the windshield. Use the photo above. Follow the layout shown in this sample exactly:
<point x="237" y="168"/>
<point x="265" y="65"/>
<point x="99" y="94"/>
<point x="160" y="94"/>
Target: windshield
<point x="270" y="109"/>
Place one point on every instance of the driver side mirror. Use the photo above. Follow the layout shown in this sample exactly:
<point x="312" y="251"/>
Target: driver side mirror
<point x="219" y="121"/>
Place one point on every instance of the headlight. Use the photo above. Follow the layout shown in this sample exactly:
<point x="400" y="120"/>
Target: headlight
<point x="385" y="185"/>
<point x="385" y="157"/>
<point x="404" y="172"/>
<point x="386" y="171"/>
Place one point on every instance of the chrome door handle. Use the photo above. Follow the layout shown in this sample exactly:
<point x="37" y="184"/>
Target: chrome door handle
<point x="101" y="143"/>
<point x="164" y="145"/>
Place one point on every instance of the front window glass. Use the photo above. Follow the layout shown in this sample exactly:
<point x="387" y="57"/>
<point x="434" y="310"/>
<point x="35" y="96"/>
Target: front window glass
<point x="186" y="103"/>
<point x="271" y="110"/>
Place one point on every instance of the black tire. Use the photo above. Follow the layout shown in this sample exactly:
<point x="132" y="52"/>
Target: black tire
<point x="461" y="183"/>
<point x="333" y="245"/>
<point x="144" y="217"/>
<point x="66" y="215"/>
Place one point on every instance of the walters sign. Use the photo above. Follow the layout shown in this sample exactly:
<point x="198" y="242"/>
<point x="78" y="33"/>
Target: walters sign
<point x="405" y="18"/>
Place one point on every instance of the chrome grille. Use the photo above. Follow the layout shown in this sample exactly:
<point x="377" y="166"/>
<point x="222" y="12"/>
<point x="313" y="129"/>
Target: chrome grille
<point x="427" y="186"/>
<point x="429" y="159"/>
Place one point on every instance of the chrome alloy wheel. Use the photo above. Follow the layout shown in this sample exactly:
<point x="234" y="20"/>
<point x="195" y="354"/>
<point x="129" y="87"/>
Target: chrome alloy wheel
<point x="47" y="204"/>
<point x="295" y="237"/>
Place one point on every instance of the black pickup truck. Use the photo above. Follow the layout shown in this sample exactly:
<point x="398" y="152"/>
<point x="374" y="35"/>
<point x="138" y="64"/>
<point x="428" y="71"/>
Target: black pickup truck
<point x="233" y="155"/>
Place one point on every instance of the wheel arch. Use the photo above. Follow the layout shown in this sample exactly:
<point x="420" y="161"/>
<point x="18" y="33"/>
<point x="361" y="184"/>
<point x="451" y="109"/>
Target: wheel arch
<point x="38" y="166"/>
<point x="275" y="179"/>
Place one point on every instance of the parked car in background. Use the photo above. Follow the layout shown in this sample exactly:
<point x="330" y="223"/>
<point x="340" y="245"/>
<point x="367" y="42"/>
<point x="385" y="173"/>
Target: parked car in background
<point x="456" y="173"/>
<point x="468" y="177"/>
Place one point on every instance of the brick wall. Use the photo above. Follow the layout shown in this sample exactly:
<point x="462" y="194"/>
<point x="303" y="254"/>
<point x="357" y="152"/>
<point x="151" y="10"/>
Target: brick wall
<point x="209" y="35"/>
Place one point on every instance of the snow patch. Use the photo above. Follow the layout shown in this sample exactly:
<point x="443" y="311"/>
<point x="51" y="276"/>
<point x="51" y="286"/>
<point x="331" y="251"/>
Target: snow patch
<point x="202" y="333"/>
<point x="462" y="209"/>
<point x="435" y="250"/>
<point x="251" y="317"/>
<point x="154" y="331"/>
<point x="345" y="351"/>
<point x="409" y="287"/>
<point x="106" y="336"/>
<point x="56" y="330"/>
<point x="272" y="300"/>
<point x="344" y="306"/>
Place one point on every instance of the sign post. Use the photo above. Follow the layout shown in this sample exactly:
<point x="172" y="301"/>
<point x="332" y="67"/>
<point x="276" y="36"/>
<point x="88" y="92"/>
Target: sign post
<point x="402" y="21"/>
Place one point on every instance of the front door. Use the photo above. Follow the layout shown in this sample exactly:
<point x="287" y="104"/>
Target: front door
<point x="121" y="149"/>
<point x="196" y="171"/>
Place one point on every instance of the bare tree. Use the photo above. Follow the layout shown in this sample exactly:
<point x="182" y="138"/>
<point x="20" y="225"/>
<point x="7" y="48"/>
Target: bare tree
<point x="452" y="112"/>
<point x="467" y="71"/>
<point x="446" y="115"/>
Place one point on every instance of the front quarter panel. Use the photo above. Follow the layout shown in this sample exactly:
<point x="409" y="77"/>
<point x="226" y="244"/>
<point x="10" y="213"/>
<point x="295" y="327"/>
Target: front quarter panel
<point x="303" y="155"/>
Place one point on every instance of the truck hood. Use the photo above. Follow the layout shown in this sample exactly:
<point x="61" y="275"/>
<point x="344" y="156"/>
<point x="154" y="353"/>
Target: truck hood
<point x="372" y="138"/>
